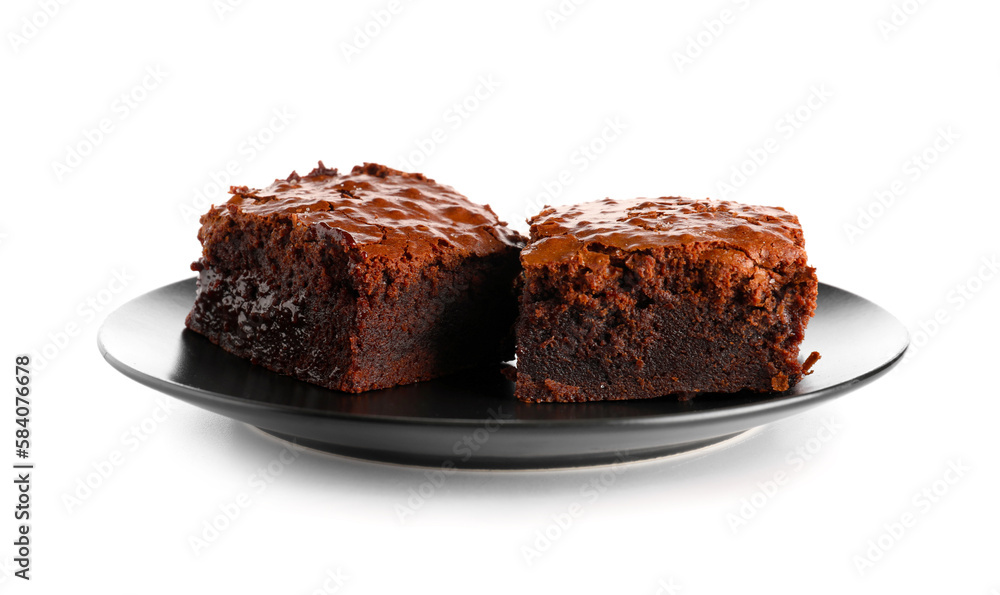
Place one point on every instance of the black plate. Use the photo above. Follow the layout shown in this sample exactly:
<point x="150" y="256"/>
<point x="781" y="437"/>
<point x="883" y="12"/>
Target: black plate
<point x="472" y="420"/>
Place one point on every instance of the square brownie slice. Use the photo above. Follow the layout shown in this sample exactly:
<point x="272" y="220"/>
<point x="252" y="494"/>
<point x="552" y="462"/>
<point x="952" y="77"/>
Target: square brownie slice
<point x="357" y="282"/>
<point x="641" y="298"/>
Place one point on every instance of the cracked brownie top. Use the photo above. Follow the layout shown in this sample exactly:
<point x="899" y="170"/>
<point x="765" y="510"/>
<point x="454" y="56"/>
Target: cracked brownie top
<point x="766" y="235"/>
<point x="376" y="211"/>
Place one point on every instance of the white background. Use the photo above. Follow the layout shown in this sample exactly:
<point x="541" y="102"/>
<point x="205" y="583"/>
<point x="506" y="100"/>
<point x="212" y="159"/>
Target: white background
<point x="665" y="526"/>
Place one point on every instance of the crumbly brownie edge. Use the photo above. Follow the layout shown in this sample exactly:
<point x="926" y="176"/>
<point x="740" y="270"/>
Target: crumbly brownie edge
<point x="582" y="323"/>
<point x="354" y="319"/>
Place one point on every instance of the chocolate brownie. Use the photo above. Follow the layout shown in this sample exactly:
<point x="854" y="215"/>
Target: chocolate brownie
<point x="648" y="297"/>
<point x="357" y="282"/>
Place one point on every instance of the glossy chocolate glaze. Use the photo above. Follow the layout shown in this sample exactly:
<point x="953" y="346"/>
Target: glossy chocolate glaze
<point x="377" y="211"/>
<point x="766" y="235"/>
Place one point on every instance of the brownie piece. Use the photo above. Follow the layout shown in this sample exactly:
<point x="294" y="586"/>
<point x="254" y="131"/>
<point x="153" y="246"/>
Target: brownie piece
<point x="648" y="297"/>
<point x="357" y="282"/>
